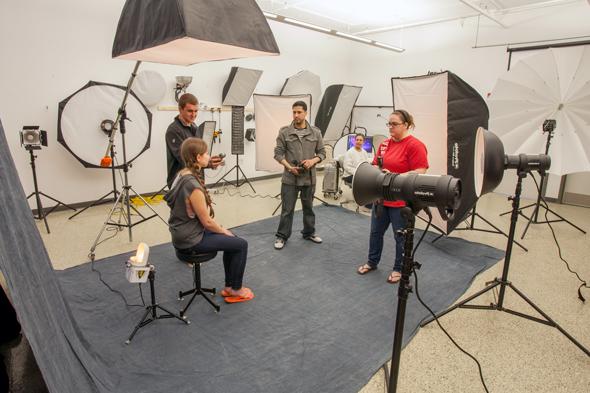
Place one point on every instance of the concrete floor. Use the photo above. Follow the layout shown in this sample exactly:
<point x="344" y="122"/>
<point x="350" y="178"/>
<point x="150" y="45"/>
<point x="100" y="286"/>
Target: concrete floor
<point x="517" y="355"/>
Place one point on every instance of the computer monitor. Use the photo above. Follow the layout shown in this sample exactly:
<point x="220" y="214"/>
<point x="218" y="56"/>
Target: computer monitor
<point x="367" y="145"/>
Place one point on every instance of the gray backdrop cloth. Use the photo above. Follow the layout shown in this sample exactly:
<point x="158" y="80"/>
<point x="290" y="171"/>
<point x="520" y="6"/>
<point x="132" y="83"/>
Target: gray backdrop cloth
<point x="68" y="362"/>
<point x="314" y="326"/>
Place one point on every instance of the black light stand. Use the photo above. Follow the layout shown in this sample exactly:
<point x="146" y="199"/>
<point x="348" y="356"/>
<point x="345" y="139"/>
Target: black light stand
<point x="41" y="213"/>
<point x="237" y="183"/>
<point x="115" y="192"/>
<point x="471" y="226"/>
<point x="503" y="281"/>
<point x="548" y="128"/>
<point x="404" y="289"/>
<point x="153" y="308"/>
<point x="123" y="199"/>
<point x="237" y="128"/>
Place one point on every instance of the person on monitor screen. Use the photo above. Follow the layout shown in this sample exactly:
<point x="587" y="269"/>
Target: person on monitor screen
<point x="192" y="224"/>
<point x="353" y="157"/>
<point x="299" y="149"/>
<point x="181" y="128"/>
<point x="401" y="153"/>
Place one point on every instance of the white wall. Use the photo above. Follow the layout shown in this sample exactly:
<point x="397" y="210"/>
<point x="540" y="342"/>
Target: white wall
<point x="51" y="49"/>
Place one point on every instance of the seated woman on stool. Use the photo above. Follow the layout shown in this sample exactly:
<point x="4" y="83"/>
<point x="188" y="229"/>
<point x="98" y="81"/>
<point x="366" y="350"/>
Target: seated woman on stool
<point x="192" y="225"/>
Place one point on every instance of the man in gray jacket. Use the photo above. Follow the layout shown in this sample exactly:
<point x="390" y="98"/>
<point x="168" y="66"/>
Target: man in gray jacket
<point x="299" y="148"/>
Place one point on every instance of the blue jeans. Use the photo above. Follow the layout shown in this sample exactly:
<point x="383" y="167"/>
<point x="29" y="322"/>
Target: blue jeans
<point x="235" y="253"/>
<point x="379" y="225"/>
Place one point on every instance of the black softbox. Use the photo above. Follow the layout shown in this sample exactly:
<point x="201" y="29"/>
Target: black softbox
<point x="186" y="32"/>
<point x="447" y="112"/>
<point x="335" y="110"/>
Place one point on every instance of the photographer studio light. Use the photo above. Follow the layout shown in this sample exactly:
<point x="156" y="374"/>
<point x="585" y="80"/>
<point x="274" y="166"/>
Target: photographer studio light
<point x="182" y="83"/>
<point x="137" y="267"/>
<point x="138" y="271"/>
<point x="33" y="138"/>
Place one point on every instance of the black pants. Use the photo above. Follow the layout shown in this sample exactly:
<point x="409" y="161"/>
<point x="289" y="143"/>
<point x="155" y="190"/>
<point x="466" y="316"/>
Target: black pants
<point x="235" y="253"/>
<point x="289" y="196"/>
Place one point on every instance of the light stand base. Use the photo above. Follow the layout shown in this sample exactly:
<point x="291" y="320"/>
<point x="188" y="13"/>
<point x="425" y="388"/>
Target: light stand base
<point x="471" y="227"/>
<point x="153" y="309"/>
<point x="237" y="182"/>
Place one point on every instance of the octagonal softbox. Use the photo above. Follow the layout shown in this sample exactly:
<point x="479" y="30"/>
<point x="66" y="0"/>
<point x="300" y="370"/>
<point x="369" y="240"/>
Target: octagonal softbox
<point x="81" y="123"/>
<point x="447" y="112"/>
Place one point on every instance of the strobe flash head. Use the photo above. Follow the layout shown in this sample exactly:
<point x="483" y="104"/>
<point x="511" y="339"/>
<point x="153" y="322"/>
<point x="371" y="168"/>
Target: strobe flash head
<point x="490" y="162"/>
<point x="32" y="138"/>
<point x="418" y="191"/>
<point x="528" y="162"/>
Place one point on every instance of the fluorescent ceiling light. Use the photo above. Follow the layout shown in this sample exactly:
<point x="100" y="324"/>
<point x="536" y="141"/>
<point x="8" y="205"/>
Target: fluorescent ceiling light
<point x="269" y="15"/>
<point x="307" y="25"/>
<point x="386" y="46"/>
<point x="354" y="37"/>
<point x="311" y="26"/>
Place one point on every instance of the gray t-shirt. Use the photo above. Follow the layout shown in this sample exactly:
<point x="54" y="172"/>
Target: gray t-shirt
<point x="186" y="230"/>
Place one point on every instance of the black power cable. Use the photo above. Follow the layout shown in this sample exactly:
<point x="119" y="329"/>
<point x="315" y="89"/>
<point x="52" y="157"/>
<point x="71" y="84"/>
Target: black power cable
<point x="584" y="283"/>
<point x="434" y="315"/>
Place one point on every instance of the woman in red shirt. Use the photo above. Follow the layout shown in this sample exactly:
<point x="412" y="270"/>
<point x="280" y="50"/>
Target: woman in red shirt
<point x="402" y="153"/>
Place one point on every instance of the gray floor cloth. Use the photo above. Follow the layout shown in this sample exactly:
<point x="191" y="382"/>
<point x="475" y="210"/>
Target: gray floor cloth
<point x="315" y="325"/>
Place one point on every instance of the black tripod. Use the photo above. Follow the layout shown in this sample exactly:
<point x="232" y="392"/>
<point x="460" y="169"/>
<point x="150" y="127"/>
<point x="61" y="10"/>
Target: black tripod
<point x="153" y="308"/>
<point x="238" y="171"/>
<point x="534" y="218"/>
<point x="503" y="281"/>
<point x="123" y="200"/>
<point x="471" y="226"/>
<point x="41" y="213"/>
<point x="404" y="289"/>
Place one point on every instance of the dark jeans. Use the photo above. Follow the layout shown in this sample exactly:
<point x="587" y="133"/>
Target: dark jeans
<point x="235" y="253"/>
<point x="289" y="195"/>
<point x="379" y="225"/>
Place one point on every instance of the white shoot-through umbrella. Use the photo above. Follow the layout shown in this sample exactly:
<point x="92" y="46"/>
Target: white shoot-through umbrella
<point x="552" y="84"/>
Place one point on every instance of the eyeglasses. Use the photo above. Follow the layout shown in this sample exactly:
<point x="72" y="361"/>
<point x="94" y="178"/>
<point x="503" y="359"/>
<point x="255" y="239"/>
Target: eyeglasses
<point x="393" y="124"/>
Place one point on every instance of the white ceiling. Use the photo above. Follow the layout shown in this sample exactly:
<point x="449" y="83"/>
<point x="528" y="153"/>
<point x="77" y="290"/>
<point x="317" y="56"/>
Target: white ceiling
<point x="363" y="16"/>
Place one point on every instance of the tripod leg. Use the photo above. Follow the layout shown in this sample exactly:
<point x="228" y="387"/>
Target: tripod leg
<point x="563" y="219"/>
<point x="246" y="179"/>
<point x="535" y="213"/>
<point x="92" y="204"/>
<point x="171" y="314"/>
<point x="40" y="212"/>
<point x="223" y="177"/>
<point x="140" y="324"/>
<point x="461" y="303"/>
<point x="57" y="201"/>
<point x="551" y="321"/>
<point x="149" y="206"/>
<point x="501" y="232"/>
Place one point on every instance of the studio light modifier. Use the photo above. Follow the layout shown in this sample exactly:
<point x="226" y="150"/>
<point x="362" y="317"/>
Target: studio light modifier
<point x="370" y="184"/>
<point x="490" y="162"/>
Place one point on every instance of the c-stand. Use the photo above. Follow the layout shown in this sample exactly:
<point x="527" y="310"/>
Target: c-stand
<point x="503" y="281"/>
<point x="41" y="213"/>
<point x="123" y="199"/>
<point x="549" y="128"/>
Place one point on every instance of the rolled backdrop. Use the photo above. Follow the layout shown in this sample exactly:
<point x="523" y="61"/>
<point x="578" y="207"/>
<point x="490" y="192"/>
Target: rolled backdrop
<point x="272" y="113"/>
<point x="447" y="112"/>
